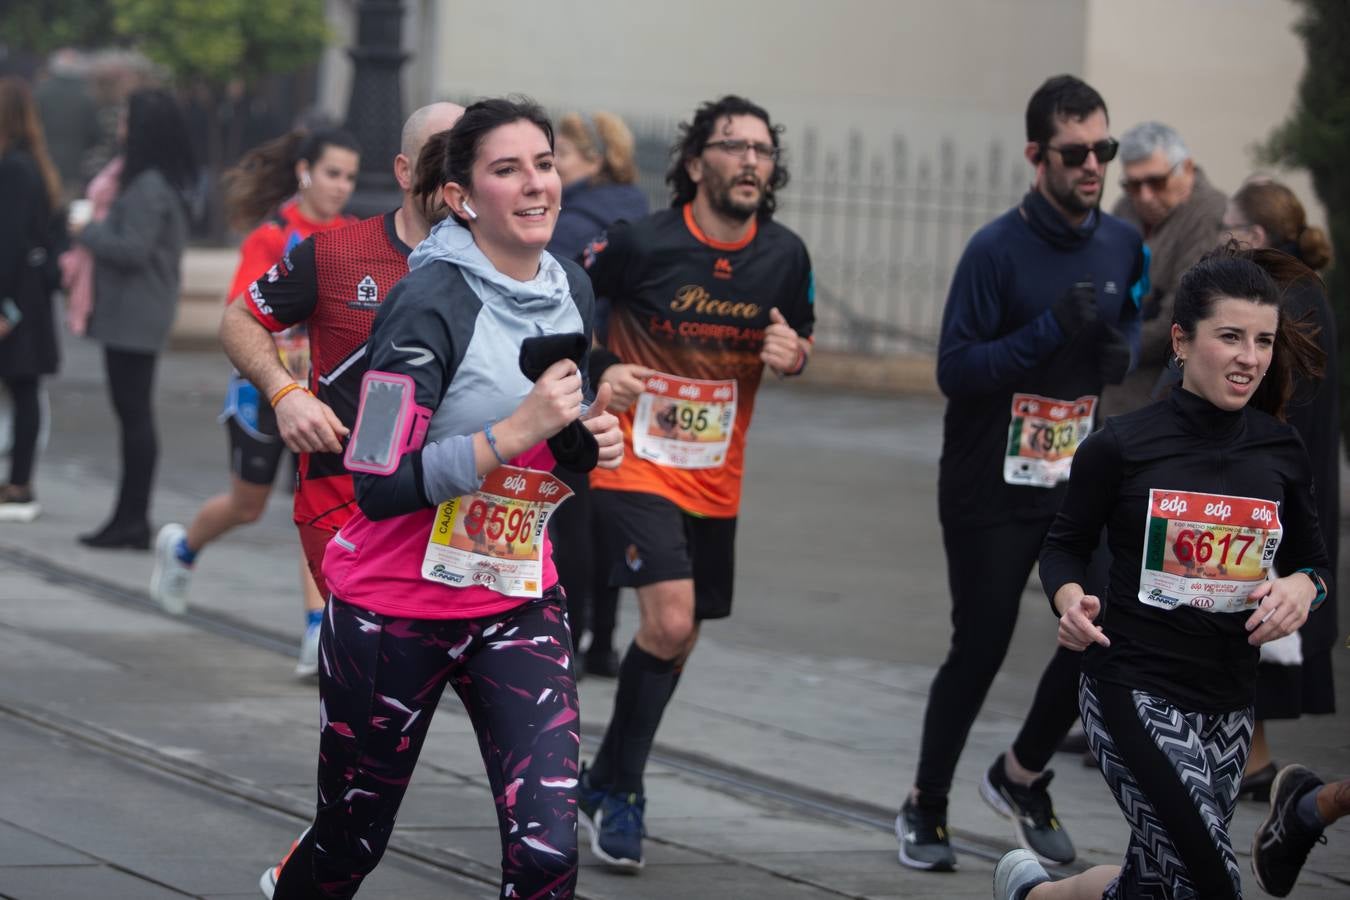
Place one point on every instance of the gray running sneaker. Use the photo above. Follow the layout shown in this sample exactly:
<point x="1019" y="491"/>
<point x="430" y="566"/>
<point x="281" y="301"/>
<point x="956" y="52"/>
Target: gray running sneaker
<point x="170" y="579"/>
<point x="1017" y="873"/>
<point x="924" y="843"/>
<point x="1034" y="822"/>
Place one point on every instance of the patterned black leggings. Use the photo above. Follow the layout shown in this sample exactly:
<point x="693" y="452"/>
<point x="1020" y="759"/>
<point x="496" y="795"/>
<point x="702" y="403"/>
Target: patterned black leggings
<point x="1175" y="775"/>
<point x="380" y="679"/>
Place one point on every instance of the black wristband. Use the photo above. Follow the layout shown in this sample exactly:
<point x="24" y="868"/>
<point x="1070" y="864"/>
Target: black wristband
<point x="419" y="481"/>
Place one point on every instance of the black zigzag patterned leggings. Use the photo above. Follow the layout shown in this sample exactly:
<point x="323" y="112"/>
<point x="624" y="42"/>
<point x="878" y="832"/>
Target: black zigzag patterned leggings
<point x="1175" y="775"/>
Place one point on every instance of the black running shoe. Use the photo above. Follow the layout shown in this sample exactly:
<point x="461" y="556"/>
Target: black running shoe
<point x="1034" y="822"/>
<point x="1281" y="844"/>
<point x="923" y="839"/>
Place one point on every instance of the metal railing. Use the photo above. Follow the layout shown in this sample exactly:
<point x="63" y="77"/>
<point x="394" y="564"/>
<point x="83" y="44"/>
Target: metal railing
<point x="885" y="226"/>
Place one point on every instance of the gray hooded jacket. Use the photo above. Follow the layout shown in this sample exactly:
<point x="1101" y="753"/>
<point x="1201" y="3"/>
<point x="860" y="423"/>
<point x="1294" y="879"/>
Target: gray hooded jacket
<point x="455" y="325"/>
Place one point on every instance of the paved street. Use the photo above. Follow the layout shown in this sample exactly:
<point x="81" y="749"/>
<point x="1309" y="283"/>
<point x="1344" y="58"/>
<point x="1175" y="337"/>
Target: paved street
<point x="157" y="757"/>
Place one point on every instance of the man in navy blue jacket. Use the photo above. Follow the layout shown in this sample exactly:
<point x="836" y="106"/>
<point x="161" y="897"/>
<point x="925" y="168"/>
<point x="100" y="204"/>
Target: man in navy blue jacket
<point x="1041" y="314"/>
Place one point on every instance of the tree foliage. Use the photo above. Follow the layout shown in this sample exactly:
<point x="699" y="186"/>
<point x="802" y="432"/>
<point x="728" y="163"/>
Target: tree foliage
<point x="210" y="41"/>
<point x="1316" y="136"/>
<point x="217" y="41"/>
<point x="41" y="26"/>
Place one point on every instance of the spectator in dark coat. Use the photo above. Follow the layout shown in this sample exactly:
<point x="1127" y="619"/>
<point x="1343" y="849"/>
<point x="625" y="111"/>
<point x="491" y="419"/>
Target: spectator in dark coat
<point x="137" y="251"/>
<point x="69" y="118"/>
<point x="1295" y="676"/>
<point x="594" y="155"/>
<point x="31" y="188"/>
<point x="595" y="162"/>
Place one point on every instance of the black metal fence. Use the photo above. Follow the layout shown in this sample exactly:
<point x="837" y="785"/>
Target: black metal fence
<point x="885" y="226"/>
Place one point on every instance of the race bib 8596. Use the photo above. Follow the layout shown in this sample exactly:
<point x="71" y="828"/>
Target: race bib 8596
<point x="495" y="537"/>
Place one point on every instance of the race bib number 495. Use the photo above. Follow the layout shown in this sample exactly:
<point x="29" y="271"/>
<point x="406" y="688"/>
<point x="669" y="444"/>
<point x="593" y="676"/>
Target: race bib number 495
<point x="683" y="423"/>
<point x="1043" y="434"/>
<point x="1207" y="551"/>
<point x="495" y="538"/>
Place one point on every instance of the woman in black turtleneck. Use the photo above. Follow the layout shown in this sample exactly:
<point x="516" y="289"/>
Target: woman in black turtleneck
<point x="1205" y="497"/>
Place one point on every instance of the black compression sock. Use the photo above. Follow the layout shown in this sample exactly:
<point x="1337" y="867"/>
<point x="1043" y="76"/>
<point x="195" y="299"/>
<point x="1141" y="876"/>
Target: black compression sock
<point x="646" y="684"/>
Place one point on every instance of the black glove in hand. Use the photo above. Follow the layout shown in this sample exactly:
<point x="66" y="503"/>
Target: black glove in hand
<point x="1113" y="357"/>
<point x="1076" y="309"/>
<point x="574" y="446"/>
<point x="538" y="353"/>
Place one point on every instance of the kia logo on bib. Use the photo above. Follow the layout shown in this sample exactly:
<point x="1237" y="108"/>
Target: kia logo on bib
<point x="1202" y="602"/>
<point x="1175" y="504"/>
<point x="1220" y="510"/>
<point x="515" y="483"/>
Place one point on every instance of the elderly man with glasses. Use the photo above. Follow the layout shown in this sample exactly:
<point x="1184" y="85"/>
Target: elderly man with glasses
<point x="1180" y="214"/>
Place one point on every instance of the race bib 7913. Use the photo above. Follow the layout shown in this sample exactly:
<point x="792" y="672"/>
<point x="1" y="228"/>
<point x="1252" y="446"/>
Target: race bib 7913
<point x="1043" y="434"/>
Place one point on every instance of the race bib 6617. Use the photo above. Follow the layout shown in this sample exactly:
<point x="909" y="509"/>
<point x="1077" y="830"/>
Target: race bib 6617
<point x="1207" y="551"/>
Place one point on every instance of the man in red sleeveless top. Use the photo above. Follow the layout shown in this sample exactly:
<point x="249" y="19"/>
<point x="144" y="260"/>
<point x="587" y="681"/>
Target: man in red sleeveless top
<point x="333" y="282"/>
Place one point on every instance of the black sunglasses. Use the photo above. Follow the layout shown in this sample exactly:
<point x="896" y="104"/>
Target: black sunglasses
<point x="1075" y="155"/>
<point x="1154" y="183"/>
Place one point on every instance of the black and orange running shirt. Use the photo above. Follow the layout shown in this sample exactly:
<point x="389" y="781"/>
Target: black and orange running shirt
<point x="335" y="282"/>
<point x="694" y="308"/>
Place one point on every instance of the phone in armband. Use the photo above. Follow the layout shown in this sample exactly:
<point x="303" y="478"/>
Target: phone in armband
<point x="389" y="424"/>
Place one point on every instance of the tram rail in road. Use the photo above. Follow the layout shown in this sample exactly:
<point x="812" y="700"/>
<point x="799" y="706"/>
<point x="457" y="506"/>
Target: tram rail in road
<point x="748" y="785"/>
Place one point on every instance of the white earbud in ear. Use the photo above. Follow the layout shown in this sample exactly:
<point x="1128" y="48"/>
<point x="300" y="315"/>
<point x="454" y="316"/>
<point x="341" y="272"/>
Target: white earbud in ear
<point x="468" y="212"/>
<point x="305" y="181"/>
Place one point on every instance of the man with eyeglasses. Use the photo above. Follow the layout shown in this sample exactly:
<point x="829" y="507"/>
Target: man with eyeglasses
<point x="703" y="296"/>
<point x="1168" y="197"/>
<point x="1040" y="315"/>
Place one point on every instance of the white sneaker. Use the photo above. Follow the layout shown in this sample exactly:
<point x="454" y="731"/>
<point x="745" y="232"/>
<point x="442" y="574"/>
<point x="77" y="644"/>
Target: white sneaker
<point x="13" y="509"/>
<point x="1016" y="874"/>
<point x="268" y="882"/>
<point x="308" y="664"/>
<point x="169" y="581"/>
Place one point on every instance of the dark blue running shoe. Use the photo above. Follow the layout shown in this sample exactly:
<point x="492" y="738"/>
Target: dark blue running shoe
<point x="588" y="802"/>
<point x="618" y="841"/>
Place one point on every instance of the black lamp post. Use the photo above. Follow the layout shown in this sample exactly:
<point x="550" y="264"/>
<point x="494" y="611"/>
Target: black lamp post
<point x="375" y="111"/>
